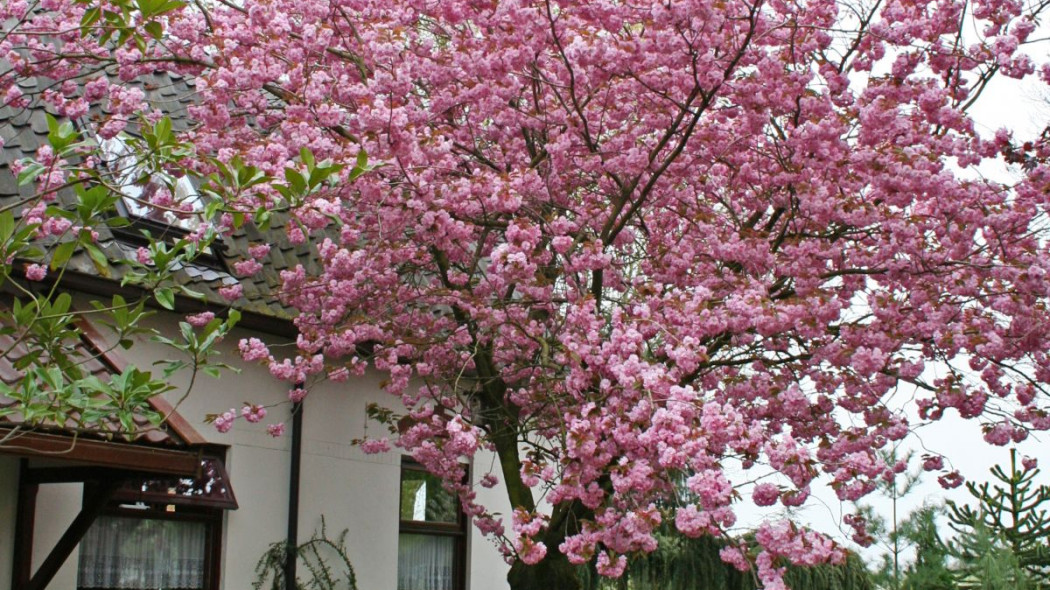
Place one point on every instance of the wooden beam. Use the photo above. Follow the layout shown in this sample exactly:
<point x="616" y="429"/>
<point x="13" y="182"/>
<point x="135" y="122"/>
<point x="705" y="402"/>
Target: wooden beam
<point x="87" y="451"/>
<point x="93" y="506"/>
<point x="80" y="473"/>
<point x="180" y="425"/>
<point x="24" y="516"/>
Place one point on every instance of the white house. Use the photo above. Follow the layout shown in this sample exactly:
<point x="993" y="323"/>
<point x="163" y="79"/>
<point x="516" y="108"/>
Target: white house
<point x="188" y="507"/>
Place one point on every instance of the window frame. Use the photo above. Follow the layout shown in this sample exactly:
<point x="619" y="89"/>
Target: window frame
<point x="457" y="530"/>
<point x="212" y="518"/>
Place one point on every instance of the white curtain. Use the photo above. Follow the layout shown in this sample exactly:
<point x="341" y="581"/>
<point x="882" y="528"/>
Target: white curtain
<point x="424" y="562"/>
<point x="142" y="554"/>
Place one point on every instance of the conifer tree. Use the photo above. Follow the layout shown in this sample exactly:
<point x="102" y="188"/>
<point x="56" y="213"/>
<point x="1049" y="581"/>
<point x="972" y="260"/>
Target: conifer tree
<point x="1008" y="532"/>
<point x="929" y="570"/>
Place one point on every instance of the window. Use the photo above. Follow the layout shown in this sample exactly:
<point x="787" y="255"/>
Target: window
<point x="169" y="208"/>
<point x="162" y="533"/>
<point x="431" y="553"/>
<point x="156" y="197"/>
<point x="140" y="547"/>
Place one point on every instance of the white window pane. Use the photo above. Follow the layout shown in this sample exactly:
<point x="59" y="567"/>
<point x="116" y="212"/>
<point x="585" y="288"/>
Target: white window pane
<point x="141" y="554"/>
<point x="425" y="562"/>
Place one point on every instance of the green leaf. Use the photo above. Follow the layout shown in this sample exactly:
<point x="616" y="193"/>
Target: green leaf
<point x="154" y="29"/>
<point x="98" y="257"/>
<point x="29" y="173"/>
<point x="307" y="158"/>
<point x="90" y="17"/>
<point x="62" y="254"/>
<point x="163" y="129"/>
<point x="61" y="304"/>
<point x="296" y="180"/>
<point x="7" y="225"/>
<point x="191" y="293"/>
<point x="166" y="298"/>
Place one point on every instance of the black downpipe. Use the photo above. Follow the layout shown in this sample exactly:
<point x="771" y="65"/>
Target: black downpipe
<point x="293" y="496"/>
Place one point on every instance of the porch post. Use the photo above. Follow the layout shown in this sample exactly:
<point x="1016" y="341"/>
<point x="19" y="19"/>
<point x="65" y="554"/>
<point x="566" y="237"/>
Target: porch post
<point x="25" y="513"/>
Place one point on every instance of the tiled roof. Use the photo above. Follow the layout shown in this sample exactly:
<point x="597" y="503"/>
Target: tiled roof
<point x="24" y="130"/>
<point x="90" y="362"/>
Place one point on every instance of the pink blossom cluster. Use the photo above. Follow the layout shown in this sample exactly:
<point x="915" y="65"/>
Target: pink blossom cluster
<point x="253" y="413"/>
<point x="199" y="320"/>
<point x="224" y="422"/>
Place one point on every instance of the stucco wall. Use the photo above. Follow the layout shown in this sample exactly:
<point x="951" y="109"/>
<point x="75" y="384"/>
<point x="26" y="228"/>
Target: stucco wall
<point x="487" y="568"/>
<point x="56" y="507"/>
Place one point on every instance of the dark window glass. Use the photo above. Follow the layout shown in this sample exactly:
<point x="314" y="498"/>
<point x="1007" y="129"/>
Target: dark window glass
<point x="431" y="553"/>
<point x="424" y="500"/>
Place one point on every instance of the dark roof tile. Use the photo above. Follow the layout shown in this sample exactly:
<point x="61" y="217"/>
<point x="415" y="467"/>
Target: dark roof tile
<point x="171" y="94"/>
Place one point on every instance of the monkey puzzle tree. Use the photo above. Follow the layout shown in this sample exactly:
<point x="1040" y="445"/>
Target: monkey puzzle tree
<point x="1008" y="527"/>
<point x="617" y="244"/>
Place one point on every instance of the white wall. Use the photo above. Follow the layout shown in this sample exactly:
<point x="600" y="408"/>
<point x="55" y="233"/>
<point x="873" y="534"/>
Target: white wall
<point x="351" y="490"/>
<point x="56" y="507"/>
<point x="258" y="464"/>
<point x="487" y="568"/>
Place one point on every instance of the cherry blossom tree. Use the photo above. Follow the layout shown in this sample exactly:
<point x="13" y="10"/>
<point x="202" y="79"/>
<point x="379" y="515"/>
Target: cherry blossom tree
<point x="660" y="258"/>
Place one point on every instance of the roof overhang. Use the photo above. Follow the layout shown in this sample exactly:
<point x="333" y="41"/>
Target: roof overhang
<point x="100" y="453"/>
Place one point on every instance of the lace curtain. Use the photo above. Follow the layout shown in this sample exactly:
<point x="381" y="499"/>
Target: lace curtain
<point x="424" y="562"/>
<point x="142" y="554"/>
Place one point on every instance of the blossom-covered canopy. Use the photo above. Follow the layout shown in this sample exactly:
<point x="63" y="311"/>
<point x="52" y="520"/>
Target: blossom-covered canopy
<point x="649" y="253"/>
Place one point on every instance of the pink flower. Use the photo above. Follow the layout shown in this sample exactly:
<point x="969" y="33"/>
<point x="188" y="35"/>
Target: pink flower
<point x="55" y="226"/>
<point x="253" y="349"/>
<point x="735" y="557"/>
<point x="999" y="434"/>
<point x="339" y="375"/>
<point x="529" y="551"/>
<point x="950" y="480"/>
<point x="199" y="320"/>
<point x="296" y="236"/>
<point x="224" y="422"/>
<point x="1028" y="463"/>
<point x="374" y="446"/>
<point x="275" y="430"/>
<point x="609" y="568"/>
<point x="765" y="494"/>
<point x="488" y="481"/>
<point x="795" y="498"/>
<point x="932" y="462"/>
<point x="859" y="524"/>
<point x="259" y="251"/>
<point x="232" y="293"/>
<point x="296" y="394"/>
<point x="253" y="413"/>
<point x="36" y="272"/>
<point x="247" y="267"/>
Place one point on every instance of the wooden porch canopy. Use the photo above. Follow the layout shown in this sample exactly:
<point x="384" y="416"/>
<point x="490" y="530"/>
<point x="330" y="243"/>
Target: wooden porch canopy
<point x="166" y="464"/>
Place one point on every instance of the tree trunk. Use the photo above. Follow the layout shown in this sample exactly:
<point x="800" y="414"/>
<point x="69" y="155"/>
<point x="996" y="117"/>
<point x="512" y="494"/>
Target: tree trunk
<point x="553" y="573"/>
